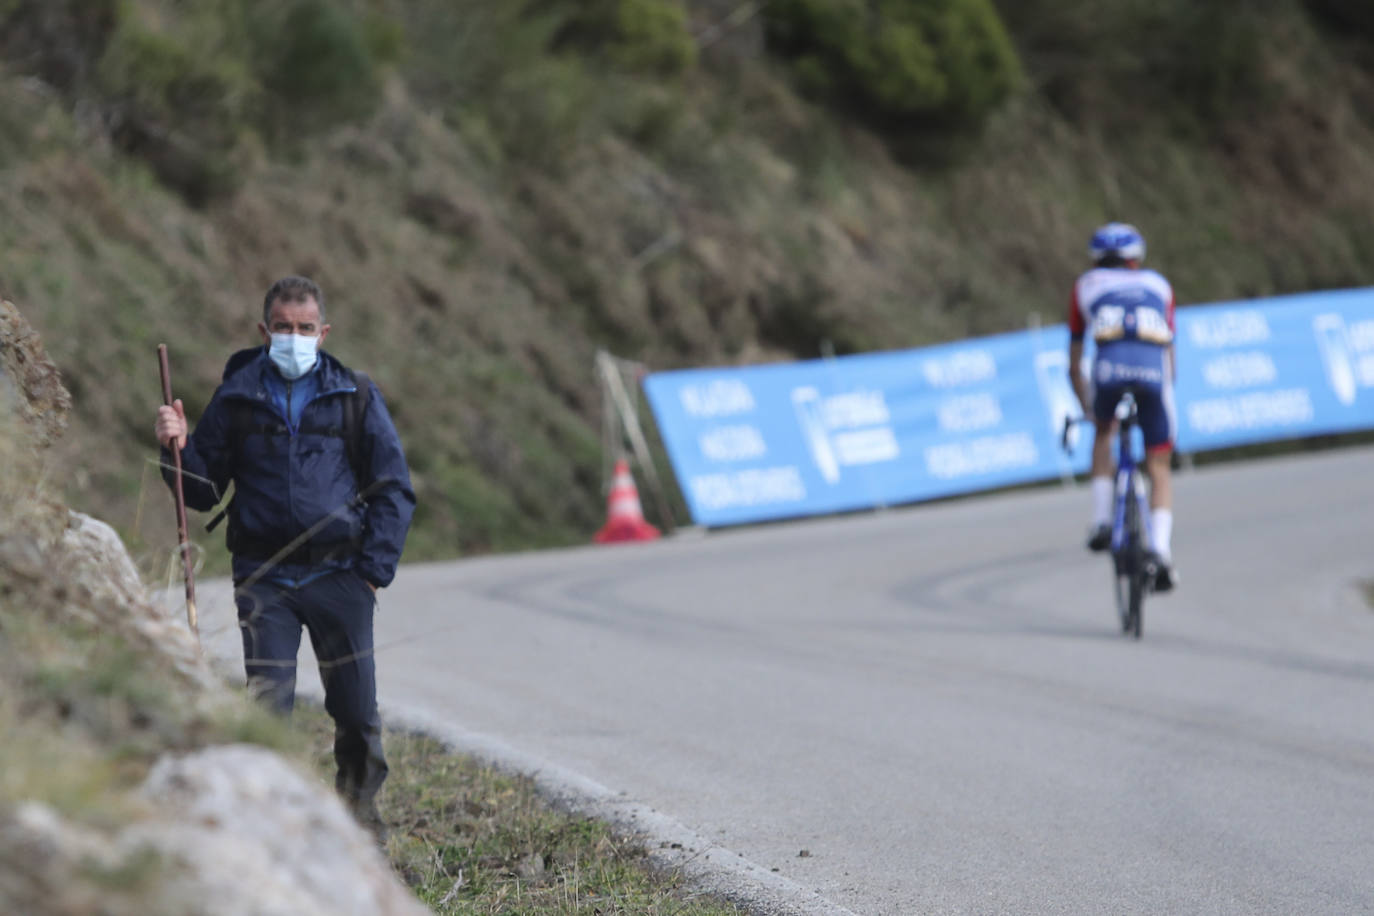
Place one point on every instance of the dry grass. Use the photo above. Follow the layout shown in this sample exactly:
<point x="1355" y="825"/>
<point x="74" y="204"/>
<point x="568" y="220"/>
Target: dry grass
<point x="469" y="839"/>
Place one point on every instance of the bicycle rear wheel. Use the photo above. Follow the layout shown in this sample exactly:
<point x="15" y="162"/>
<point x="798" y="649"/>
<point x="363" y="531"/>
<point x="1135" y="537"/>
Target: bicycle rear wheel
<point x="1136" y="573"/>
<point x="1121" y="578"/>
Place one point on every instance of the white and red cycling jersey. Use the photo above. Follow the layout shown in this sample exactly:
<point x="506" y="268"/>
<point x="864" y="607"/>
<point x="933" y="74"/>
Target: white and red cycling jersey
<point x="1102" y="287"/>
<point x="1129" y="314"/>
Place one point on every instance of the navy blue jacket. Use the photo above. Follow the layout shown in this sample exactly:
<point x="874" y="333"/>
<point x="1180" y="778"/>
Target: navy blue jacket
<point x="292" y="473"/>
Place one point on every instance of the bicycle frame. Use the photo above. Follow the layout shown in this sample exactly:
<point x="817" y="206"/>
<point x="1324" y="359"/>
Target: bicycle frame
<point x="1130" y="525"/>
<point x="1129" y="547"/>
<point x="1128" y="477"/>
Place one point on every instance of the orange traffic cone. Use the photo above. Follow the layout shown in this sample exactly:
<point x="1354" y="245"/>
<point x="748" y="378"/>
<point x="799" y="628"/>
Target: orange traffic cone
<point x="624" y="515"/>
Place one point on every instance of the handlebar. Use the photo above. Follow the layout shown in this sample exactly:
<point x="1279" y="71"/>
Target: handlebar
<point x="1069" y="424"/>
<point x="1126" y="414"/>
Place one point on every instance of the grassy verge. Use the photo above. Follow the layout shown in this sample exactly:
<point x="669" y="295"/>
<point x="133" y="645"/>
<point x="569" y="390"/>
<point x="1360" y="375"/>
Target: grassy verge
<point x="469" y="839"/>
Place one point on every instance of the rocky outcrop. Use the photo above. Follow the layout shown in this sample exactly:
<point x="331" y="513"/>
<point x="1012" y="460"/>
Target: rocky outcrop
<point x="241" y="810"/>
<point x="229" y="831"/>
<point x="45" y="548"/>
<point x="33" y="413"/>
<point x="98" y="564"/>
<point x="28" y="379"/>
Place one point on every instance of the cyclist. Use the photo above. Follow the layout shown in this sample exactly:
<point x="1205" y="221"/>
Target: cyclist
<point x="1129" y="313"/>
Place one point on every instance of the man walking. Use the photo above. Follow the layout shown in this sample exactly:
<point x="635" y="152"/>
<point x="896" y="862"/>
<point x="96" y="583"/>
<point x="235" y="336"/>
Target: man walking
<point x="322" y="503"/>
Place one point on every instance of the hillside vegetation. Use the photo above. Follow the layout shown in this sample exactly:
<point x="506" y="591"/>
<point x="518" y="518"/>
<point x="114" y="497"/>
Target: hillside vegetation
<point x="490" y="190"/>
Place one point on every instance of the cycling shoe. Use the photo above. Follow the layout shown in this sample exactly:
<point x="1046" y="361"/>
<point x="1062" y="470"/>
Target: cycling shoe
<point x="1100" y="538"/>
<point x="1166" y="577"/>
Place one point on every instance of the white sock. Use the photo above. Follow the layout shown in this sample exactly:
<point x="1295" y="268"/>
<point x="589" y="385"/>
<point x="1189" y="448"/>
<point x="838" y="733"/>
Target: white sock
<point x="1102" y="501"/>
<point x="1162" y="530"/>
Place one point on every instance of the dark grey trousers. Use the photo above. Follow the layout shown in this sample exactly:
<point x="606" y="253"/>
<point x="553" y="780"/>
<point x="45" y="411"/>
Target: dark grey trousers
<point x="336" y="610"/>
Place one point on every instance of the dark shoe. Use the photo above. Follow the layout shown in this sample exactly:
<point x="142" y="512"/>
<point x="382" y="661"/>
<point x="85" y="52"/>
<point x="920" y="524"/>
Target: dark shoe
<point x="1165" y="575"/>
<point x="370" y="819"/>
<point x="1100" y="539"/>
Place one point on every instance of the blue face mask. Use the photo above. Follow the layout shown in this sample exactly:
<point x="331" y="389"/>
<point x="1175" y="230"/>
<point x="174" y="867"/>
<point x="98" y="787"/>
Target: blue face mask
<point x="293" y="354"/>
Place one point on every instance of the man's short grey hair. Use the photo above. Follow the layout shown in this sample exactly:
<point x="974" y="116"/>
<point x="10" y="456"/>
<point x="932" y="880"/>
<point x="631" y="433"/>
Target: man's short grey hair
<point x="292" y="289"/>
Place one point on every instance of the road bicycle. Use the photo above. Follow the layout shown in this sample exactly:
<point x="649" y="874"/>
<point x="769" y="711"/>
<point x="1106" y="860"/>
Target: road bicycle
<point x="1133" y="566"/>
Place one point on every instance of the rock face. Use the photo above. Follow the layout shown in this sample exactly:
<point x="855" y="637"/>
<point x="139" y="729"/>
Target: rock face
<point x="91" y="556"/>
<point x="237" y="811"/>
<point x="29" y="380"/>
<point x="97" y="562"/>
<point x="229" y="831"/>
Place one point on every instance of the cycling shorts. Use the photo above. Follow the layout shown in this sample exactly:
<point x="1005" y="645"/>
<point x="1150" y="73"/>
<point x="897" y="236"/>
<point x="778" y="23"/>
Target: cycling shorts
<point x="1144" y="369"/>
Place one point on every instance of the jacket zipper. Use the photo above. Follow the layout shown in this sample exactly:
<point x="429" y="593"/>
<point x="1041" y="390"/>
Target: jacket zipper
<point x="291" y="437"/>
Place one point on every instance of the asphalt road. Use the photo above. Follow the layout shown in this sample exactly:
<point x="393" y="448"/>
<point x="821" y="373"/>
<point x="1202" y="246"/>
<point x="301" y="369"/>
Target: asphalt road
<point x="936" y="703"/>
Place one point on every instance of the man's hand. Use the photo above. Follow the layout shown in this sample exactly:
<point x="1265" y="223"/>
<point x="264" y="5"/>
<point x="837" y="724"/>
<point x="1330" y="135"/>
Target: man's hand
<point x="171" y="424"/>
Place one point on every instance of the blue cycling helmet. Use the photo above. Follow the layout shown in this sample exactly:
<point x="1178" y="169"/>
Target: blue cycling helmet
<point x="1117" y="240"/>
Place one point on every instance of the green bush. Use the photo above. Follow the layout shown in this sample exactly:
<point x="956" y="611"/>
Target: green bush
<point x="642" y="36"/>
<point x="316" y="62"/>
<point x="1108" y="61"/>
<point x="539" y="110"/>
<point x="1216" y="62"/>
<point x="652" y="36"/>
<point x="182" y="85"/>
<point x="1348" y="16"/>
<point x="182" y="111"/>
<point x="494" y="67"/>
<point x="56" y="40"/>
<point x="902" y="63"/>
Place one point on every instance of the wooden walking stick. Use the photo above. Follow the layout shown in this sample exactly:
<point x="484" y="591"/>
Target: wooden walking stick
<point x="182" y="539"/>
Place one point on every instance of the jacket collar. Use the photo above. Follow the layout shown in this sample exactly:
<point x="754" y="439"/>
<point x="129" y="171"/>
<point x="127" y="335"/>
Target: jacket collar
<point x="245" y="374"/>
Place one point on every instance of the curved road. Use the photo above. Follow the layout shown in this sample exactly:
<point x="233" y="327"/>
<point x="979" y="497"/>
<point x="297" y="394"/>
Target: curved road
<point x="935" y="703"/>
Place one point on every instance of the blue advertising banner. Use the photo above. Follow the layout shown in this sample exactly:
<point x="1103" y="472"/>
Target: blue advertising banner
<point x="809" y="438"/>
<point x="1273" y="369"/>
<point x="826" y="436"/>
